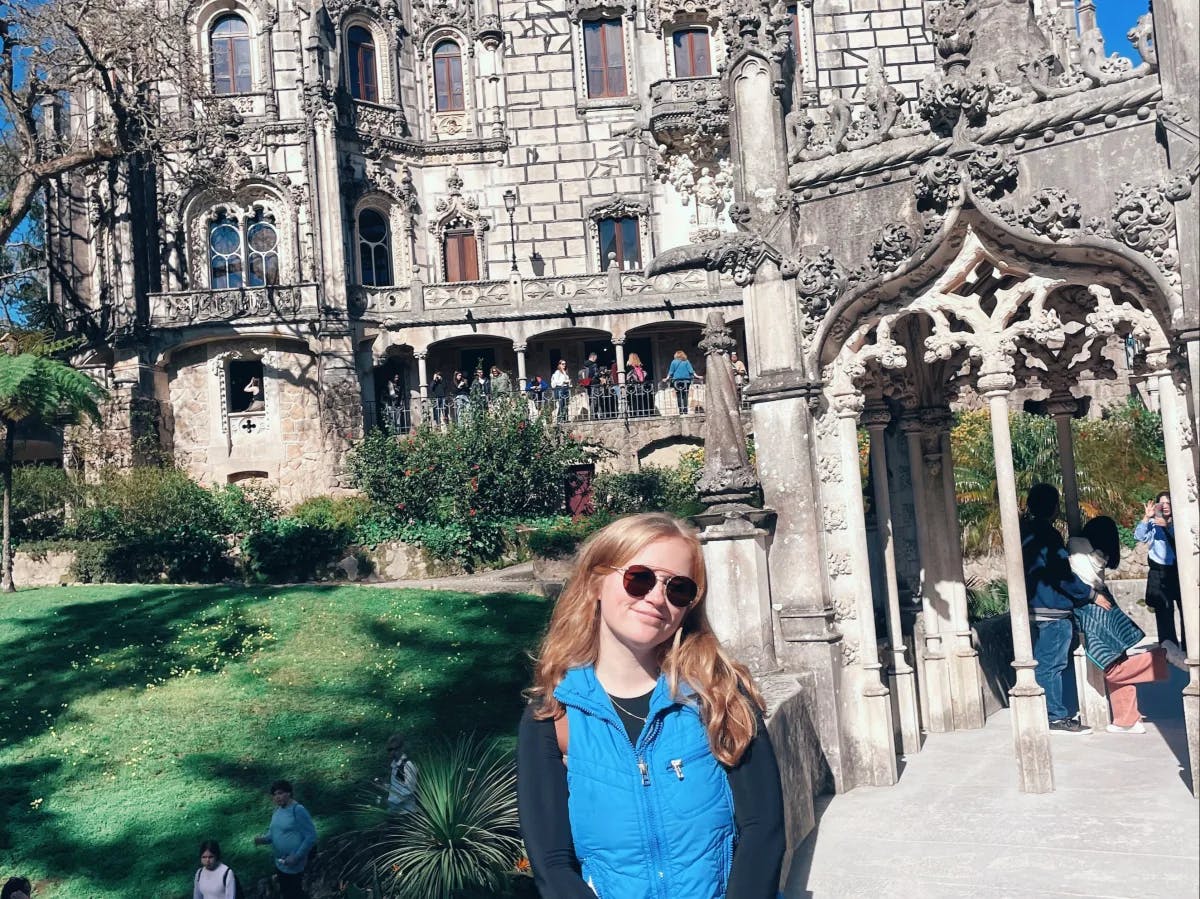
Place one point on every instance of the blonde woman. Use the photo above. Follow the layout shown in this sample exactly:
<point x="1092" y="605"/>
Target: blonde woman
<point x="644" y="767"/>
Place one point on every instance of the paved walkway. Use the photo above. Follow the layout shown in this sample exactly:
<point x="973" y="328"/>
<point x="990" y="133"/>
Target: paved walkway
<point x="1121" y="823"/>
<point x="514" y="579"/>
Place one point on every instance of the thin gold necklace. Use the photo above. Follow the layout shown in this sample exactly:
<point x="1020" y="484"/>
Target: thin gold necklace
<point x="625" y="710"/>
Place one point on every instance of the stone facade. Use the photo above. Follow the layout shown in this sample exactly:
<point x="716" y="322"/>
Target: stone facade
<point x="897" y="205"/>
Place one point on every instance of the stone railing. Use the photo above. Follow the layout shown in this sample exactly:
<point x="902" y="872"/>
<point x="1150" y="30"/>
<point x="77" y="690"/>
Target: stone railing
<point x="377" y="120"/>
<point x="467" y="294"/>
<point x="372" y="301"/>
<point x="197" y="307"/>
<point x="251" y="105"/>
<point x="675" y="102"/>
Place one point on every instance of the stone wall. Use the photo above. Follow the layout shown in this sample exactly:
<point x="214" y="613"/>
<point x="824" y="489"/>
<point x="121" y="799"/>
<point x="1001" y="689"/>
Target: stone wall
<point x="48" y="569"/>
<point x="850" y="33"/>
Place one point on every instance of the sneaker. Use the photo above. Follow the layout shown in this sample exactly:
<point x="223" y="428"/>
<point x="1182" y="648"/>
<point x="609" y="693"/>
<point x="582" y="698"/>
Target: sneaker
<point x="1136" y="728"/>
<point x="1069" y="726"/>
<point x="1174" y="654"/>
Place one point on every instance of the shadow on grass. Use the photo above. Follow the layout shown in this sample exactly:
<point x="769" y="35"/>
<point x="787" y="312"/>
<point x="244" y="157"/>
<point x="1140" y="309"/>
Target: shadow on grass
<point x="471" y="653"/>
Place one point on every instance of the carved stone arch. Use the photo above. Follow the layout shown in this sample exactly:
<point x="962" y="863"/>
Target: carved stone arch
<point x="1083" y="260"/>
<point x="433" y="16"/>
<point x="451" y="123"/>
<point x="387" y="52"/>
<point x="201" y="208"/>
<point x="399" y="225"/>
<point x="620" y="206"/>
<point x="578" y="10"/>
<point x="261" y="17"/>
<point x="458" y="211"/>
<point x="662" y="14"/>
<point x="699" y="17"/>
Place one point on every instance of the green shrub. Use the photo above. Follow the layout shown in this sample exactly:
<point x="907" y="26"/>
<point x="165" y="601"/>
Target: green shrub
<point x="559" y="540"/>
<point x="289" y="549"/>
<point x="987" y="600"/>
<point x="40" y="496"/>
<point x="462" y="841"/>
<point x="456" y="491"/>
<point x="651" y="489"/>
<point x="149" y="524"/>
<point x="246" y="507"/>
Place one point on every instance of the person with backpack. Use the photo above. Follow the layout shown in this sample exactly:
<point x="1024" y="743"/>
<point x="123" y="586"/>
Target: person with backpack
<point x="214" y="879"/>
<point x="636" y="377"/>
<point x="402" y="777"/>
<point x="642" y="758"/>
<point x="291" y="836"/>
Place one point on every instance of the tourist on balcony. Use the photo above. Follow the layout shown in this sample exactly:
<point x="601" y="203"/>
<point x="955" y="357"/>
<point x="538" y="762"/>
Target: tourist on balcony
<point x="740" y="375"/>
<point x="587" y="378"/>
<point x="481" y="387"/>
<point x="501" y="384"/>
<point x="604" y="403"/>
<point x="672" y="777"/>
<point x="535" y="390"/>
<point x="560" y="383"/>
<point x="680" y="375"/>
<point x="636" y="377"/>
<point x="437" y="397"/>
<point x="462" y="395"/>
<point x="255" y="389"/>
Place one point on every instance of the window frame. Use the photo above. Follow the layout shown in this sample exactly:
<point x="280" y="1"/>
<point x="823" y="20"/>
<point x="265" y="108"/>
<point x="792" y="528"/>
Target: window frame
<point x="602" y="25"/>
<point x="247" y="256"/>
<point x="383" y="245"/>
<point x="691" y="31"/>
<point x="620" y="225"/>
<point x="449" y="73"/>
<point x="229" y="46"/>
<point x="459" y="237"/>
<point x="358" y="54"/>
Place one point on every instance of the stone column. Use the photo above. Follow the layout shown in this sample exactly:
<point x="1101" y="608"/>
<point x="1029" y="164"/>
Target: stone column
<point x="901" y="678"/>
<point x="1181" y="476"/>
<point x="936" y="669"/>
<point x="1031" y="727"/>
<point x="1061" y="406"/>
<point x="522" y="377"/>
<point x="879" y="746"/>
<point x="622" y="400"/>
<point x="966" y="675"/>
<point x="339" y="398"/>
<point x="422" y="373"/>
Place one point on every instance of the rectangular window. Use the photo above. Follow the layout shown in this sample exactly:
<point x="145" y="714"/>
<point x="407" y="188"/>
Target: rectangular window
<point x="619" y="244"/>
<point x="604" y="55"/>
<point x="244" y="384"/>
<point x="462" y="257"/>
<point x="692" y="58"/>
<point x="241" y="67"/>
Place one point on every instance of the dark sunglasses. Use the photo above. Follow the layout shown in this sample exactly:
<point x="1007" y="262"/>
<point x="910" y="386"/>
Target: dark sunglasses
<point x="639" y="580"/>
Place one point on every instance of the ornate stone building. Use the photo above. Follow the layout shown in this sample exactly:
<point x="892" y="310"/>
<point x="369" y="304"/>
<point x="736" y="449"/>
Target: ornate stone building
<point x="891" y="201"/>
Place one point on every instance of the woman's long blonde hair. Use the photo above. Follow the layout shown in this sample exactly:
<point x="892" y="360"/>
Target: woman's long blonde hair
<point x="729" y="701"/>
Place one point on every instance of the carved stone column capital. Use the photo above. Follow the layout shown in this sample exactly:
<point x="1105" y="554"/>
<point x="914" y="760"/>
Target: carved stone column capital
<point x="520" y="347"/>
<point x="618" y="341"/>
<point x="937" y="419"/>
<point x="1061" y="404"/>
<point x="910" y="423"/>
<point x="876" y="417"/>
<point x="848" y="405"/>
<point x="420" y="354"/>
<point x="997" y="383"/>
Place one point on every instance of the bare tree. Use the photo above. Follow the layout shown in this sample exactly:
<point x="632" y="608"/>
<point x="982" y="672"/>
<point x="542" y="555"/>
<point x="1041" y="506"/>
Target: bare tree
<point x="81" y="85"/>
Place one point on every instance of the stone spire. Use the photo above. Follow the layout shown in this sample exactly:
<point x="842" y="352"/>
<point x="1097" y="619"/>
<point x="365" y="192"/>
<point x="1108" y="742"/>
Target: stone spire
<point x="728" y="482"/>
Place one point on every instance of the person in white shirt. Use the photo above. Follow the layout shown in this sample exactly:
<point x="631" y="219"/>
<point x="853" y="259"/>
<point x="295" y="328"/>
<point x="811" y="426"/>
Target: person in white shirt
<point x="214" y="880"/>
<point x="560" y="384"/>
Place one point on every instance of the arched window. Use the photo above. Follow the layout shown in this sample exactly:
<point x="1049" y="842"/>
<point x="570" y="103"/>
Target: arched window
<point x="692" y="57"/>
<point x="243" y="254"/>
<point x="374" y="253"/>
<point x="364" y="82"/>
<point x="619" y="243"/>
<point x="230" y="37"/>
<point x="448" y="77"/>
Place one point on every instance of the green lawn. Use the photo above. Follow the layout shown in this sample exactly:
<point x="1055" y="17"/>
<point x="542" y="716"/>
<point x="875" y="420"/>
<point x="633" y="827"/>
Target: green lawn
<point x="137" y="721"/>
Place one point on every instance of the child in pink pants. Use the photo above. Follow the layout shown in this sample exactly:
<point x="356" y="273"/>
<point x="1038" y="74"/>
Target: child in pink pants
<point x="1121" y="677"/>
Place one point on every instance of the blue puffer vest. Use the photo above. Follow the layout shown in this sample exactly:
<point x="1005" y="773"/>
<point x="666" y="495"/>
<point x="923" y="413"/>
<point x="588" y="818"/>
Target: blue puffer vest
<point x="652" y="820"/>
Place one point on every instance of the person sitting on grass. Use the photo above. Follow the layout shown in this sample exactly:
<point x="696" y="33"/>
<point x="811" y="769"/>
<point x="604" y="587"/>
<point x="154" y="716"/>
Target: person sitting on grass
<point x="213" y="880"/>
<point x="291" y="836"/>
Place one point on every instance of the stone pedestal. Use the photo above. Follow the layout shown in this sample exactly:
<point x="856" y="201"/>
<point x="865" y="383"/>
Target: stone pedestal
<point x="739" y="588"/>
<point x="1093" y="694"/>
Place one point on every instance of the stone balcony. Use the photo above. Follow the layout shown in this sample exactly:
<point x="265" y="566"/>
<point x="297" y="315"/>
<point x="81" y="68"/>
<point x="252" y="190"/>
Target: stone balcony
<point x="251" y="305"/>
<point x="376" y="119"/>
<point x="677" y="104"/>
<point x="615" y="291"/>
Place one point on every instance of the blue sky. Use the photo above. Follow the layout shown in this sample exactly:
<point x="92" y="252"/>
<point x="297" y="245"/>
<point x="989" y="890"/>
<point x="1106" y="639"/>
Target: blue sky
<point x="1116" y="17"/>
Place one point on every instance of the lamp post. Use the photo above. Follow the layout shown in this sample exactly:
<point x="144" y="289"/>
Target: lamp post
<point x="510" y="206"/>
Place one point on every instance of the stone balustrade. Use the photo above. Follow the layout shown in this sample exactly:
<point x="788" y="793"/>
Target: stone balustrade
<point x="677" y="102"/>
<point x="377" y="120"/>
<point x="179" y="309"/>
<point x="250" y="105"/>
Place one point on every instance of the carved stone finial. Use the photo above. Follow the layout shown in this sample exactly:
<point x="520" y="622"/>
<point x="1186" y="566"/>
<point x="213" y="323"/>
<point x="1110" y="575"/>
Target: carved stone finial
<point x="728" y="481"/>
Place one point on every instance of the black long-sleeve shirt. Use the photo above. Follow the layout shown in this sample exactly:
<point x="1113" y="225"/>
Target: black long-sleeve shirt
<point x="546" y="827"/>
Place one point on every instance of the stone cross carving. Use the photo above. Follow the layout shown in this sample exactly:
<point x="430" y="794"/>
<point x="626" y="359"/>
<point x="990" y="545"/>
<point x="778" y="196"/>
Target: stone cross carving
<point x="728" y="482"/>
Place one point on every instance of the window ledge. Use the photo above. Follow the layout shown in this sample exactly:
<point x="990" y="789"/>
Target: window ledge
<point x="599" y="104"/>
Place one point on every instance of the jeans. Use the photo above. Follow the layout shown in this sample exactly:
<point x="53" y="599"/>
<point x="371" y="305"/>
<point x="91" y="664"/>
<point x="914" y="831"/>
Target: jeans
<point x="682" y="388"/>
<point x="291" y="886"/>
<point x="1051" y="650"/>
<point x="1163" y="595"/>
<point x="561" y="396"/>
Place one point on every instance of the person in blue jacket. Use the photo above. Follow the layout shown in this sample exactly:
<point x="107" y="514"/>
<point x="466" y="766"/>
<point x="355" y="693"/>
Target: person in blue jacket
<point x="680" y="374"/>
<point x="644" y="769"/>
<point x="291" y="837"/>
<point x="1053" y="591"/>
<point x="1163" y="595"/>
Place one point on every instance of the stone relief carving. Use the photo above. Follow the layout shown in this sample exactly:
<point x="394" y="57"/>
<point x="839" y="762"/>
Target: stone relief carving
<point x="661" y="12"/>
<point x="992" y="171"/>
<point x="1052" y="212"/>
<point x="430" y="15"/>
<point x="457" y="210"/>
<point x="894" y="245"/>
<point x="834" y="517"/>
<point x="938" y="183"/>
<point x="837" y="563"/>
<point x="578" y="9"/>
<point x="199" y="306"/>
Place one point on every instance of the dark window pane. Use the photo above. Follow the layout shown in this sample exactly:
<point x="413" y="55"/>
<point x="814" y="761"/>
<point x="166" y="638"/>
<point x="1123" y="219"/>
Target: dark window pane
<point x="614" y="51"/>
<point x="448" y="76"/>
<point x="462" y="263"/>
<point x="631" y="256"/>
<point x="272" y="269"/>
<point x="366" y="266"/>
<point x="383" y="266"/>
<point x="608" y="242"/>
<point x="262" y="237"/>
<point x="224" y="239"/>
<point x="241" y="63"/>
<point x="371" y="226"/>
<point x="256" y="274"/>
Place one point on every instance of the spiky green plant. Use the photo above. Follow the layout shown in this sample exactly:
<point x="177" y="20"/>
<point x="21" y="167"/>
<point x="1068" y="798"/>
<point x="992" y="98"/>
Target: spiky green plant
<point x="36" y="389"/>
<point x="463" y="839"/>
